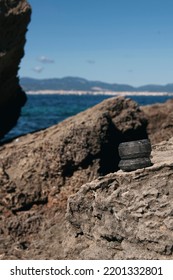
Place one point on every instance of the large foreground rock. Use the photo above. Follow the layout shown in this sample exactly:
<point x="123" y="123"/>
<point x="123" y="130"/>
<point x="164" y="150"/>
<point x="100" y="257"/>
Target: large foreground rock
<point x="39" y="171"/>
<point x="14" y="18"/>
<point x="62" y="158"/>
<point x="125" y="215"/>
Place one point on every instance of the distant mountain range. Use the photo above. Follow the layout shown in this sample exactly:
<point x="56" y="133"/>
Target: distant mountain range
<point x="80" y="84"/>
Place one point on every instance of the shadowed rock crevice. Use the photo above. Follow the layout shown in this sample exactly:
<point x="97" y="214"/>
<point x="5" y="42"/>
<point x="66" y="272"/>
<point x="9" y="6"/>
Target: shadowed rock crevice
<point x="28" y="206"/>
<point x="111" y="238"/>
<point x="109" y="156"/>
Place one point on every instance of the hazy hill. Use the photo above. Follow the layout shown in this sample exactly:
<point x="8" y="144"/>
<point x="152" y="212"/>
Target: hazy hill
<point x="75" y="83"/>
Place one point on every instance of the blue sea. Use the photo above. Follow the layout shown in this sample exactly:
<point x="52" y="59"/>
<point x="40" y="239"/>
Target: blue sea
<point x="42" y="111"/>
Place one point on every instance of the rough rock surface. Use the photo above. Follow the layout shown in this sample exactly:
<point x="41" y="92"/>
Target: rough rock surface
<point x="14" y="18"/>
<point x="160" y="121"/>
<point x="117" y="216"/>
<point x="39" y="171"/>
<point x="125" y="215"/>
<point x="122" y="216"/>
<point x="63" y="157"/>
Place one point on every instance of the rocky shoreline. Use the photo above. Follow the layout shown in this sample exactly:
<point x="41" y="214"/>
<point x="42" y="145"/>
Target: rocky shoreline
<point x="62" y="196"/>
<point x="100" y="92"/>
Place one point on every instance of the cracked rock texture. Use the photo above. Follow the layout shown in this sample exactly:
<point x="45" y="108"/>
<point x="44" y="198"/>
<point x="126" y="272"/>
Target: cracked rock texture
<point x="14" y="18"/>
<point x="125" y="215"/>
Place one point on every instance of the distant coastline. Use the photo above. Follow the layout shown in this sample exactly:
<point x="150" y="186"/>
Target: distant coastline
<point x="77" y="85"/>
<point x="110" y="93"/>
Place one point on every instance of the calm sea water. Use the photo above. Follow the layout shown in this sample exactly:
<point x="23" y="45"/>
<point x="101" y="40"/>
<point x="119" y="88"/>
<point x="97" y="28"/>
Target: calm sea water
<point x="42" y="111"/>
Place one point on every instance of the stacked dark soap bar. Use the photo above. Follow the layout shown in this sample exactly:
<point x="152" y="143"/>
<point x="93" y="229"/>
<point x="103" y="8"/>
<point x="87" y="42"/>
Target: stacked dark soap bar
<point x="134" y="155"/>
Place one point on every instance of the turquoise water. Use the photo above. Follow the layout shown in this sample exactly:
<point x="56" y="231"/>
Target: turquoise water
<point x="42" y="111"/>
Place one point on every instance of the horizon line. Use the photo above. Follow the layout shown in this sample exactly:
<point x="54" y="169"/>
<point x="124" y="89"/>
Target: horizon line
<point x="88" y="80"/>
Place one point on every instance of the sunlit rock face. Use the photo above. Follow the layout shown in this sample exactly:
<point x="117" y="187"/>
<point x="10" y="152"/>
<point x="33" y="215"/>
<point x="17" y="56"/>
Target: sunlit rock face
<point x="124" y="215"/>
<point x="14" y="19"/>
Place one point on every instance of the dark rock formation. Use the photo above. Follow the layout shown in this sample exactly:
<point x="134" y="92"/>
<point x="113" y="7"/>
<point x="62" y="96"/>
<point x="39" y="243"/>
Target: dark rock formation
<point x="14" y="18"/>
<point x="160" y="121"/>
<point x="125" y="215"/>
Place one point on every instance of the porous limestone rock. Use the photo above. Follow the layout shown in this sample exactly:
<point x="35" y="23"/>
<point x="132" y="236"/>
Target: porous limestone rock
<point x="125" y="215"/>
<point x="14" y="18"/>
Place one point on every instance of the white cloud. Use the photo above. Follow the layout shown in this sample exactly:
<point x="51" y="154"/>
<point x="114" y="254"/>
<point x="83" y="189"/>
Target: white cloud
<point x="45" y="59"/>
<point x="38" y="69"/>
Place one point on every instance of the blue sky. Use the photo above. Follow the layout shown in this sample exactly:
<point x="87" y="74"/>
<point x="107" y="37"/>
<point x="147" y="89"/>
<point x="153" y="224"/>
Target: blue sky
<point x="116" y="41"/>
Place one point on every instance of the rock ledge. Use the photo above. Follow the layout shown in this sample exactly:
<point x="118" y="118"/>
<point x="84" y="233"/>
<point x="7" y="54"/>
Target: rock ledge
<point x="125" y="215"/>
